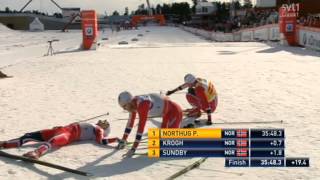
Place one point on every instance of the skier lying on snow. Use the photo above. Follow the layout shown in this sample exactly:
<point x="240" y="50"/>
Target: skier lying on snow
<point x="150" y="105"/>
<point x="61" y="136"/>
<point x="201" y="95"/>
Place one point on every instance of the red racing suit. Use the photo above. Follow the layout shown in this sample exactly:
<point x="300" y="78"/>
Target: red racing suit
<point x="153" y="105"/>
<point x="202" y="95"/>
<point x="61" y="136"/>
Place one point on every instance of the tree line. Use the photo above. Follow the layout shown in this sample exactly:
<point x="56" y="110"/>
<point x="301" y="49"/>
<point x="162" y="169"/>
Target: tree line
<point x="183" y="11"/>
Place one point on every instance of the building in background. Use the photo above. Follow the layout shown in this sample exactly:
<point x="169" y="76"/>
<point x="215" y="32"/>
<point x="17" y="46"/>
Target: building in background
<point x="204" y="11"/>
<point x="36" y="25"/>
<point x="205" y="8"/>
<point x="265" y="3"/>
<point x="256" y="3"/>
<point x="69" y="13"/>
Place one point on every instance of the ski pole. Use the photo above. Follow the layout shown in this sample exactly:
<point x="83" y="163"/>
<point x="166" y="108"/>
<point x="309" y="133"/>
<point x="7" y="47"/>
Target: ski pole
<point x="122" y="119"/>
<point x="106" y="114"/>
<point x="178" y="92"/>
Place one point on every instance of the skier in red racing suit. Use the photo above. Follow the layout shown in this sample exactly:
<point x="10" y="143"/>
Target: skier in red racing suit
<point x="61" y="136"/>
<point x="149" y="105"/>
<point x="202" y="96"/>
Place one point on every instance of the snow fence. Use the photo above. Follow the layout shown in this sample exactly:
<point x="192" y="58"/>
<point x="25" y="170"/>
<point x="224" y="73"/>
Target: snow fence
<point x="306" y="36"/>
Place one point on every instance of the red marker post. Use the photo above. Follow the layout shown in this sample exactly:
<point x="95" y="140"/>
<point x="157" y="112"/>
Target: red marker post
<point x="288" y="22"/>
<point x="89" y="29"/>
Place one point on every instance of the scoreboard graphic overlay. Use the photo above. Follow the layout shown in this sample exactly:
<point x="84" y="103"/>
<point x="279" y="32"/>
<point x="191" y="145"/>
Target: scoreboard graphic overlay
<point x="239" y="147"/>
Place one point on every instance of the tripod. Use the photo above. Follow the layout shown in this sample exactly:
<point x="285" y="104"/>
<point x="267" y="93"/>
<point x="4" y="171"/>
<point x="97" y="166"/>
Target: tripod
<point x="50" y="49"/>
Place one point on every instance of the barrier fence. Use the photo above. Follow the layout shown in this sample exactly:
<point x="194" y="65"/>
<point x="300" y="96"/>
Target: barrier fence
<point x="305" y="36"/>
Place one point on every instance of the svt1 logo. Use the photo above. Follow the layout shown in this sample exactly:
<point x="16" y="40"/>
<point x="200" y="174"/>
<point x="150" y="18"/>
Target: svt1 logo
<point x="291" y="7"/>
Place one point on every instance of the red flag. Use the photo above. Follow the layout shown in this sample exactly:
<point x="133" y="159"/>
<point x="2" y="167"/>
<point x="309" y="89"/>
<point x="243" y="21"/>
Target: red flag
<point x="243" y="152"/>
<point x="242" y="143"/>
<point x="242" y="133"/>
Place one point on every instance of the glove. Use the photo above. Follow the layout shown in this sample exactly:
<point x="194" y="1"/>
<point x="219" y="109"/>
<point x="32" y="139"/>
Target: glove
<point x="129" y="154"/>
<point x="169" y="93"/>
<point x="122" y="144"/>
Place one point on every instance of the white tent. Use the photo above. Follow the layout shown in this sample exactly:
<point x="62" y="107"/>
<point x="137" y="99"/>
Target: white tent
<point x="36" y="25"/>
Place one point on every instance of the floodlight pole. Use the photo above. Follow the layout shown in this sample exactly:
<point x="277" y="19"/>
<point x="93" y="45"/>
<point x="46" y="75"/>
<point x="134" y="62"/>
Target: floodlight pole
<point x="32" y="0"/>
<point x="25" y="6"/>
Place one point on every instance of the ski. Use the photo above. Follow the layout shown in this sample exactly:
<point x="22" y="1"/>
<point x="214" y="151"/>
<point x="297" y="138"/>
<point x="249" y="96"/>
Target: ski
<point x="252" y="122"/>
<point x="187" y="169"/>
<point x="184" y="113"/>
<point x="43" y="163"/>
<point x="203" y="123"/>
<point x="125" y="119"/>
<point x="141" y="154"/>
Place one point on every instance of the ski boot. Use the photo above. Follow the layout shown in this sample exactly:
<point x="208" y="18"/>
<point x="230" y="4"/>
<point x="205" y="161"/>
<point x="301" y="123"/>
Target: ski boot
<point x="190" y="125"/>
<point x="209" y="122"/>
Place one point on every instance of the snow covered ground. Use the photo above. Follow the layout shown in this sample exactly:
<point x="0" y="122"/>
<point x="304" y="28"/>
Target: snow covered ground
<point x="255" y="82"/>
